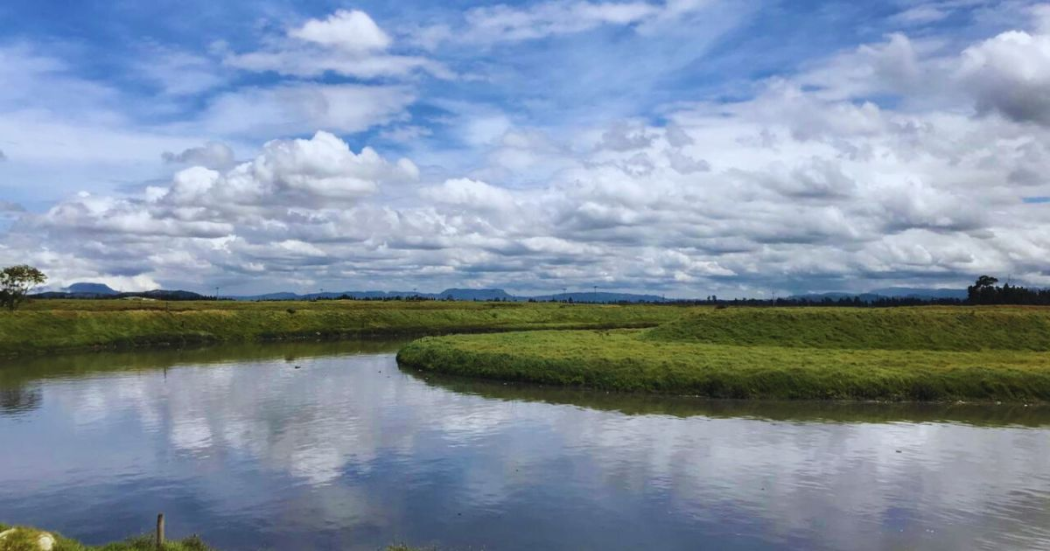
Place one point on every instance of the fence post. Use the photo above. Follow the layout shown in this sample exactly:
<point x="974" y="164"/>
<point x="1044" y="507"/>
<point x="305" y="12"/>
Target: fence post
<point x="160" y="532"/>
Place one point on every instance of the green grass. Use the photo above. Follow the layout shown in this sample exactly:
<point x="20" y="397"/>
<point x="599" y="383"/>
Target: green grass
<point x="919" y="328"/>
<point x="50" y="325"/>
<point x="936" y="354"/>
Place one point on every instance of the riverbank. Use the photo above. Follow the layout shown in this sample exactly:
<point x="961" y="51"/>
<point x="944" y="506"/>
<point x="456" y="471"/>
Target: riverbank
<point x="920" y="354"/>
<point x="71" y="325"/>
<point x="27" y="539"/>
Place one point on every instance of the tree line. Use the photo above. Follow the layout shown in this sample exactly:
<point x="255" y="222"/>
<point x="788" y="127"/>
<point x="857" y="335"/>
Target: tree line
<point x="985" y="291"/>
<point x="17" y="281"/>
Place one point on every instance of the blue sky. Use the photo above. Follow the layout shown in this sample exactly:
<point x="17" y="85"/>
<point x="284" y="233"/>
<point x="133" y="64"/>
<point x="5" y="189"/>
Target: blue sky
<point x="686" y="147"/>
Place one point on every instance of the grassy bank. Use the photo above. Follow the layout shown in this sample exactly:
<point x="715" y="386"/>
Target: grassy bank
<point x="901" y="354"/>
<point x="920" y="328"/>
<point x="84" y="324"/>
<point x="25" y="539"/>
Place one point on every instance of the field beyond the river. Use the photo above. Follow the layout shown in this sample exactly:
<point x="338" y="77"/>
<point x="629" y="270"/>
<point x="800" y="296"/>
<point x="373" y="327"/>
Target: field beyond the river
<point x="66" y="325"/>
<point x="920" y="353"/>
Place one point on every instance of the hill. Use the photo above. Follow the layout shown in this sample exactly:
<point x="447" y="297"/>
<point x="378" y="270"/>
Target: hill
<point x="90" y="289"/>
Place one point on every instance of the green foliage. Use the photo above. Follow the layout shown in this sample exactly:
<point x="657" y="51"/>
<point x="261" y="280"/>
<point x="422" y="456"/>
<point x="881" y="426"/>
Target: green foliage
<point x="901" y="354"/>
<point x="86" y="324"/>
<point x="16" y="282"/>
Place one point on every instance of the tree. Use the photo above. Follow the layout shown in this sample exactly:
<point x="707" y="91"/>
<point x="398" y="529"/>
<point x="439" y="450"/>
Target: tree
<point x="983" y="291"/>
<point x="985" y="281"/>
<point x="16" y="282"/>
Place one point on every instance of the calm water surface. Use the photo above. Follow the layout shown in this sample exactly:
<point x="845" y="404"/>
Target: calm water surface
<point x="349" y="452"/>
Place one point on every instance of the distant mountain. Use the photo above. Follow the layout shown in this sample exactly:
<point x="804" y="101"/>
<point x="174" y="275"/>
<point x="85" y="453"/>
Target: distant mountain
<point x="476" y="294"/>
<point x="270" y="296"/>
<point x="332" y="295"/>
<point x="818" y="297"/>
<point x="918" y="292"/>
<point x="459" y="294"/>
<point x="100" y="290"/>
<point x="90" y="289"/>
<point x="889" y="292"/>
<point x="600" y="297"/>
<point x="163" y="294"/>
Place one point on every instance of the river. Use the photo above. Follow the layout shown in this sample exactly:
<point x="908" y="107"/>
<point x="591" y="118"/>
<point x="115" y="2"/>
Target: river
<point x="332" y="446"/>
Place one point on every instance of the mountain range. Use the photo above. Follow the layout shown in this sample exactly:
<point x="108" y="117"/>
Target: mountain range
<point x="101" y="290"/>
<point x="461" y="294"/>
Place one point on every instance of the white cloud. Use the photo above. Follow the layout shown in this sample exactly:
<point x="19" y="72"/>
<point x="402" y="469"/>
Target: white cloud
<point x="347" y="43"/>
<point x="919" y="15"/>
<point x="352" y="31"/>
<point x="1010" y="74"/>
<point x="862" y="169"/>
<point x="470" y="194"/>
<point x="502" y="23"/>
<point x="288" y="173"/>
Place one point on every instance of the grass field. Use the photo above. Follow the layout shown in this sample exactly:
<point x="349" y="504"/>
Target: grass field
<point x="50" y="325"/>
<point x="924" y="353"/>
<point x="949" y="328"/>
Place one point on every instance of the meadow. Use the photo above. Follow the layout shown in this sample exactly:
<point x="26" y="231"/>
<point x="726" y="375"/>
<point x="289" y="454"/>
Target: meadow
<point x="922" y="354"/>
<point x="69" y="325"/>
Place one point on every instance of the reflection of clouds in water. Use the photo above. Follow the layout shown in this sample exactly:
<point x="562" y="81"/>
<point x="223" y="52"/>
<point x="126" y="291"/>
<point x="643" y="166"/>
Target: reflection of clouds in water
<point x="353" y="440"/>
<point x="796" y="476"/>
<point x="191" y="434"/>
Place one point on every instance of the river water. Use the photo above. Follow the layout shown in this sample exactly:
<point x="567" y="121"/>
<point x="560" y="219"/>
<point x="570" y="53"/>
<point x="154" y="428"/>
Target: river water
<point x="351" y="452"/>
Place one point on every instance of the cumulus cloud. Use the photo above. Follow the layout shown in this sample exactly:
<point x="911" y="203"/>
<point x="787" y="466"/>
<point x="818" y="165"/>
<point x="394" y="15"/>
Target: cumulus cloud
<point x="1010" y="75"/>
<point x="902" y="161"/>
<point x="347" y="43"/>
<point x="472" y="194"/>
<point x="352" y="31"/>
<point x="319" y="173"/>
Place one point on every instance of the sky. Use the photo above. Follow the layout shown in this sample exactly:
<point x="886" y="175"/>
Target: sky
<point x="683" y="147"/>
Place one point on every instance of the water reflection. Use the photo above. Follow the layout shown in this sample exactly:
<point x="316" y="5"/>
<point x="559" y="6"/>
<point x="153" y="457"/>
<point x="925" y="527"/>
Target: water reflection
<point x="800" y="410"/>
<point x="351" y="452"/>
<point x="19" y="399"/>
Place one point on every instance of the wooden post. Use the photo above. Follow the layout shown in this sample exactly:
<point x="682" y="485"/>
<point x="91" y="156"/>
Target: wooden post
<point x="160" y="531"/>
